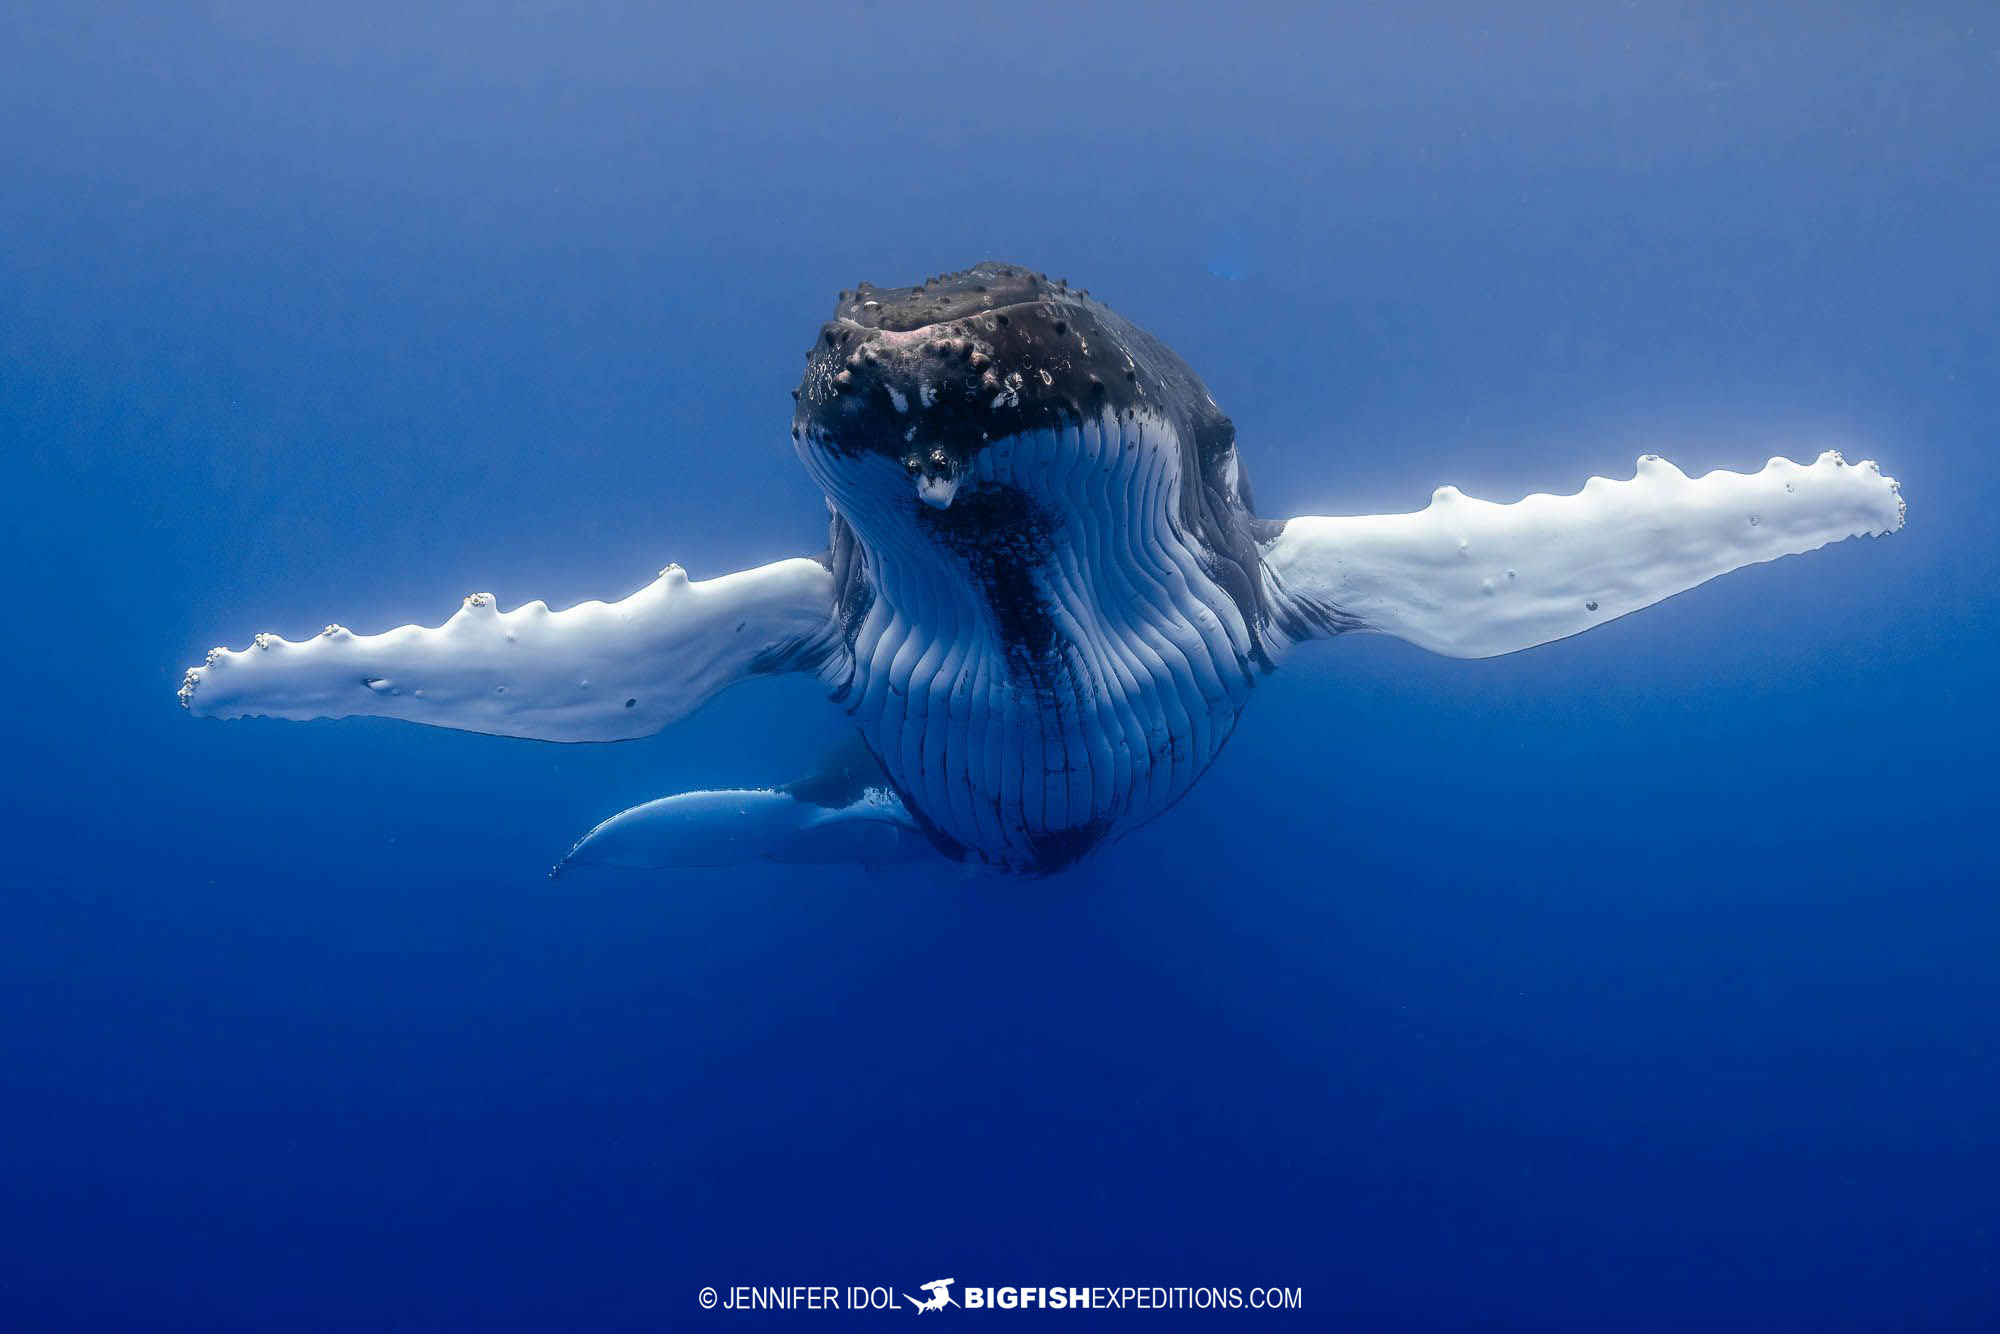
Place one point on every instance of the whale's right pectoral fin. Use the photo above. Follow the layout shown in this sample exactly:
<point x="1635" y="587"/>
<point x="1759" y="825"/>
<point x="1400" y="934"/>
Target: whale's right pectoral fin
<point x="596" y="672"/>
<point x="1471" y="579"/>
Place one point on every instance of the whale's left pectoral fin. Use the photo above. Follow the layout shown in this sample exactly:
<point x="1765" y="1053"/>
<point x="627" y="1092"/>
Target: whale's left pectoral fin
<point x="1472" y="579"/>
<point x="596" y="672"/>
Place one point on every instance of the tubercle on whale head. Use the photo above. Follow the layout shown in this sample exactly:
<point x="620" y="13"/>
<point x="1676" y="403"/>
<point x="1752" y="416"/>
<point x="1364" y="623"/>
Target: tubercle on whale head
<point x="931" y="373"/>
<point x="937" y="475"/>
<point x="909" y="386"/>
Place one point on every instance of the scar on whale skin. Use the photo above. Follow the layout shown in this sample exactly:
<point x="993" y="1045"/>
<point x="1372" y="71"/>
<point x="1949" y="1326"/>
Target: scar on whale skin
<point x="1045" y="599"/>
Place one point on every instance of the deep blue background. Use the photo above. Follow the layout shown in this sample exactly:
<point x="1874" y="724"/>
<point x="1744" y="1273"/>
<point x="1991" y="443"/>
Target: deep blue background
<point x="1645" y="981"/>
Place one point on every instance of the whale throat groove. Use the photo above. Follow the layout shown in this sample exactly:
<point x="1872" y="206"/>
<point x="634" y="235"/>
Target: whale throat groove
<point x="1047" y="661"/>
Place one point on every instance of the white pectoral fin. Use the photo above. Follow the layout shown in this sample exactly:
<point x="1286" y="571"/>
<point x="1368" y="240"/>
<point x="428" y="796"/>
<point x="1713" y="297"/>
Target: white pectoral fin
<point x="1472" y="579"/>
<point x="596" y="672"/>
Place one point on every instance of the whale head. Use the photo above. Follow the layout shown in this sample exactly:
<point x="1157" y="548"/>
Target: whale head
<point x="997" y="408"/>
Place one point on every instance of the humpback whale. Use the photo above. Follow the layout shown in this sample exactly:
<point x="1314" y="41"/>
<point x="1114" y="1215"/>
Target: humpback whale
<point x="1045" y="598"/>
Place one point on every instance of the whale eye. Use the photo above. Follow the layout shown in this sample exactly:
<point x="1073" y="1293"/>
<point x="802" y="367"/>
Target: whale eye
<point x="913" y="465"/>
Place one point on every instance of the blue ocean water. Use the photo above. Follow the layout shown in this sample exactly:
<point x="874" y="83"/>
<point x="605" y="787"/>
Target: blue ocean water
<point x="1644" y="981"/>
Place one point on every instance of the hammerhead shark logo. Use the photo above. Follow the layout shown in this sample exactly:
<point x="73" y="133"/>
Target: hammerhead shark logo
<point x="940" y="1296"/>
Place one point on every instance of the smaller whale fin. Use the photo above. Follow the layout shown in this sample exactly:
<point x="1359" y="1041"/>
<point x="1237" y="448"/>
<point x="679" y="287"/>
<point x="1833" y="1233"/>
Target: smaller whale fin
<point x="1471" y="579"/>
<point x="844" y="812"/>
